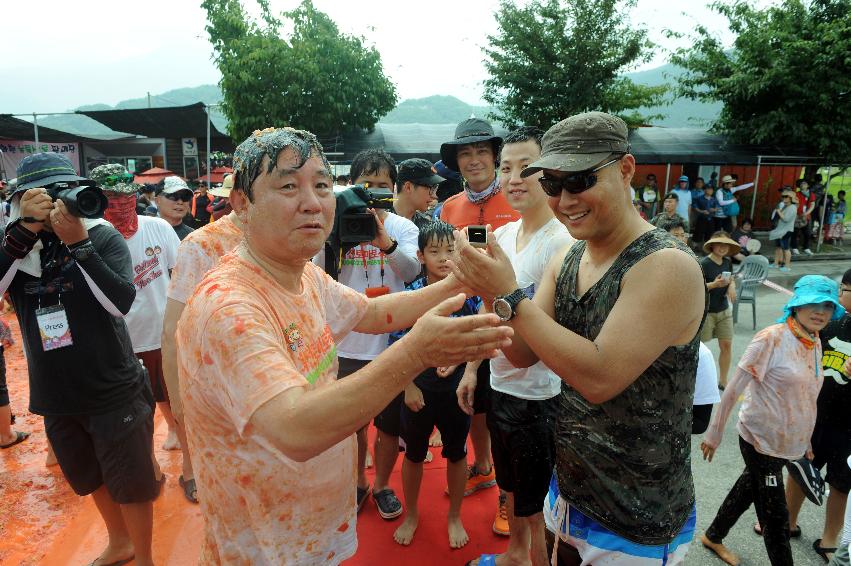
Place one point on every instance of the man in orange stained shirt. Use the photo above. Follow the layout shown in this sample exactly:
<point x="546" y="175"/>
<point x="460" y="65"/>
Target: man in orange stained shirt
<point x="269" y="427"/>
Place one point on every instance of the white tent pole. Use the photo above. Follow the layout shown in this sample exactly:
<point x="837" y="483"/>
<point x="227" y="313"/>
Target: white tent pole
<point x="667" y="178"/>
<point x="823" y="211"/>
<point x="756" y="184"/>
<point x="35" y="129"/>
<point x="209" y="172"/>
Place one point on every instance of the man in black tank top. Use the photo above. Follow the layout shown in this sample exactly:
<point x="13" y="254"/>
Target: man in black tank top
<point x="622" y="334"/>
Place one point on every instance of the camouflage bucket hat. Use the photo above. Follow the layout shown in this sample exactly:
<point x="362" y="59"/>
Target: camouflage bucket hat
<point x="580" y="142"/>
<point x="114" y="178"/>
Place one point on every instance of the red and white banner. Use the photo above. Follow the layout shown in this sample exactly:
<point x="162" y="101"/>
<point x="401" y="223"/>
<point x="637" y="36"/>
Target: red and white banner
<point x="13" y="152"/>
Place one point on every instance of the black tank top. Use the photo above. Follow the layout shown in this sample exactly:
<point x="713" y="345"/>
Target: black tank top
<point x="626" y="463"/>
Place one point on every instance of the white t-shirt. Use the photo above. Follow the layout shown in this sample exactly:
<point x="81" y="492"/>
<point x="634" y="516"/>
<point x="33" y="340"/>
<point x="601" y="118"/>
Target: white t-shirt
<point x="538" y="381"/>
<point x="706" y="387"/>
<point x="153" y="250"/>
<point x="353" y="274"/>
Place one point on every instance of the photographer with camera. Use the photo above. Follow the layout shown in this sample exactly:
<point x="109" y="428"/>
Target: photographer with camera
<point x="377" y="268"/>
<point x="70" y="280"/>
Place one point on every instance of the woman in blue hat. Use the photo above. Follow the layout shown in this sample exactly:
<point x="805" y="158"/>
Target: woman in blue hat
<point x="780" y="375"/>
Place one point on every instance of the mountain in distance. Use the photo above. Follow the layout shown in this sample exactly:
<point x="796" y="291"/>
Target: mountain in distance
<point x="437" y="109"/>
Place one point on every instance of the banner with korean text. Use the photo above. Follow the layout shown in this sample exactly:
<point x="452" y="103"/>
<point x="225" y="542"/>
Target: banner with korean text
<point x="13" y="152"/>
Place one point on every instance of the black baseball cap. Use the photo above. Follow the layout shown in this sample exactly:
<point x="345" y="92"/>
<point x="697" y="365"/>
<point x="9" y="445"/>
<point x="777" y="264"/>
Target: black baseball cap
<point x="419" y="172"/>
<point x="41" y="169"/>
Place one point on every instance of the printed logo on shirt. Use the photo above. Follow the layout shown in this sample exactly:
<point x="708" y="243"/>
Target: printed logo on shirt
<point x="316" y="357"/>
<point x="833" y="361"/>
<point x="149" y="269"/>
<point x="356" y="256"/>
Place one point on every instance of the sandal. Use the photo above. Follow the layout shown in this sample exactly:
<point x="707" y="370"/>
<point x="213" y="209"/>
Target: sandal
<point x="361" y="495"/>
<point x="19" y="437"/>
<point x="484" y="560"/>
<point x="116" y="563"/>
<point x="823" y="551"/>
<point x="189" y="489"/>
<point x="793" y="533"/>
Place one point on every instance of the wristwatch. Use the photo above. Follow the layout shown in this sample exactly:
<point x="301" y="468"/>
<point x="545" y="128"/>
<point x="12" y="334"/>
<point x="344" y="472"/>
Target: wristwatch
<point x="392" y="247"/>
<point x="83" y="252"/>
<point x="505" y="306"/>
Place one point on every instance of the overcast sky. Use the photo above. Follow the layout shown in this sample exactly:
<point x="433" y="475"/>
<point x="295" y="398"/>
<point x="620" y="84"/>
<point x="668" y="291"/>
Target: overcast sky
<point x="60" y="54"/>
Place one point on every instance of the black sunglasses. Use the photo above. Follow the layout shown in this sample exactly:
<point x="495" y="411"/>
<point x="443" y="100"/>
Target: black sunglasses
<point x="574" y="184"/>
<point x="179" y="196"/>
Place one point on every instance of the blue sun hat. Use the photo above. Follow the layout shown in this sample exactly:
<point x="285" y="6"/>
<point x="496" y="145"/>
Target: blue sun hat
<point x="813" y="290"/>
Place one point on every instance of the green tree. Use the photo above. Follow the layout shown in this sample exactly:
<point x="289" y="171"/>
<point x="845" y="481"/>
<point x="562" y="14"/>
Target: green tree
<point x="786" y="81"/>
<point x="314" y="78"/>
<point x="551" y="59"/>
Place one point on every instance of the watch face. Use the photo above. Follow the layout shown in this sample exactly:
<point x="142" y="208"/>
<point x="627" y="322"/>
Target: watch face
<point x="502" y="308"/>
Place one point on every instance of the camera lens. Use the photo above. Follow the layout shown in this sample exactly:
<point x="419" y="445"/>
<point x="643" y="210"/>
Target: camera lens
<point x="88" y="203"/>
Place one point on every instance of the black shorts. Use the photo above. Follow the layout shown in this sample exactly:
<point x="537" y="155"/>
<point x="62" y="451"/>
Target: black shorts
<point x="153" y="362"/>
<point x="388" y="420"/>
<point x="482" y="398"/>
<point x="441" y="410"/>
<point x="831" y="448"/>
<point x="523" y="448"/>
<point x="113" y="449"/>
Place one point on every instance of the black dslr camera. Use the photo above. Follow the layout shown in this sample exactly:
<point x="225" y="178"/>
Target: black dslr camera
<point x="83" y="201"/>
<point x="352" y="223"/>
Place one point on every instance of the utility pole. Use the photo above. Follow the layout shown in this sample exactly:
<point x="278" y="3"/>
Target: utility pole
<point x="149" y="99"/>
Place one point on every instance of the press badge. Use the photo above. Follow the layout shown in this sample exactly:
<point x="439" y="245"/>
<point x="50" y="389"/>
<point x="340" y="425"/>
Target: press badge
<point x="53" y="327"/>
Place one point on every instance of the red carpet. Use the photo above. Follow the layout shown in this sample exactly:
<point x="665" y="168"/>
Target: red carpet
<point x="431" y="545"/>
<point x="42" y="521"/>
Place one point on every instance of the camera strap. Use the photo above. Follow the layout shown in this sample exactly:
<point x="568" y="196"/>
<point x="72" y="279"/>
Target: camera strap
<point x="363" y="254"/>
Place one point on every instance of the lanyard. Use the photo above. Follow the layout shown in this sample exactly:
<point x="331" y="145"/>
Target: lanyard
<point x="363" y="254"/>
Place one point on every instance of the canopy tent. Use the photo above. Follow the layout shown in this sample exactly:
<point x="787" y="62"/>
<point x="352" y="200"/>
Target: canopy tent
<point x="172" y="122"/>
<point x="153" y="176"/>
<point x="12" y="128"/>
<point x="686" y="145"/>
<point x="217" y="175"/>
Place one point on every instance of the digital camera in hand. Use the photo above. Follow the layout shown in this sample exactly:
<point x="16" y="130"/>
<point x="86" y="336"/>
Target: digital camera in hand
<point x="82" y="201"/>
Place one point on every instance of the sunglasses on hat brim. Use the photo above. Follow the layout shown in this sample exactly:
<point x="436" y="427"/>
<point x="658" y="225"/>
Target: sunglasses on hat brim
<point x="576" y="183"/>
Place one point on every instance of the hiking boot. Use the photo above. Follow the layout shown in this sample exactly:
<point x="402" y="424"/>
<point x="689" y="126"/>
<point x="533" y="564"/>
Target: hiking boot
<point x="500" y="522"/>
<point x="477" y="481"/>
<point x="389" y="506"/>
<point x="808" y="479"/>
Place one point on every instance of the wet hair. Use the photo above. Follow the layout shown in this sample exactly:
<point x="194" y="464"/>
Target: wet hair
<point x="270" y="142"/>
<point x="672" y="196"/>
<point x="672" y="223"/>
<point x="846" y="277"/>
<point x="523" y="134"/>
<point x="746" y="221"/>
<point x="437" y="231"/>
<point x="372" y="162"/>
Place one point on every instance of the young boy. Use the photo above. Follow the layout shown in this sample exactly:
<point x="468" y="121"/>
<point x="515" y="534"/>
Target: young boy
<point x="431" y="401"/>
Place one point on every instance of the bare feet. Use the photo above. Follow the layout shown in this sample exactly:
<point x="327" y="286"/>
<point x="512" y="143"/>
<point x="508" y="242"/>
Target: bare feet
<point x="368" y="463"/>
<point x="405" y="533"/>
<point x="457" y="535"/>
<point x="721" y="551"/>
<point x="50" y="460"/>
<point x="114" y="553"/>
<point x="436" y="439"/>
<point x="429" y="457"/>
<point x="171" y="441"/>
